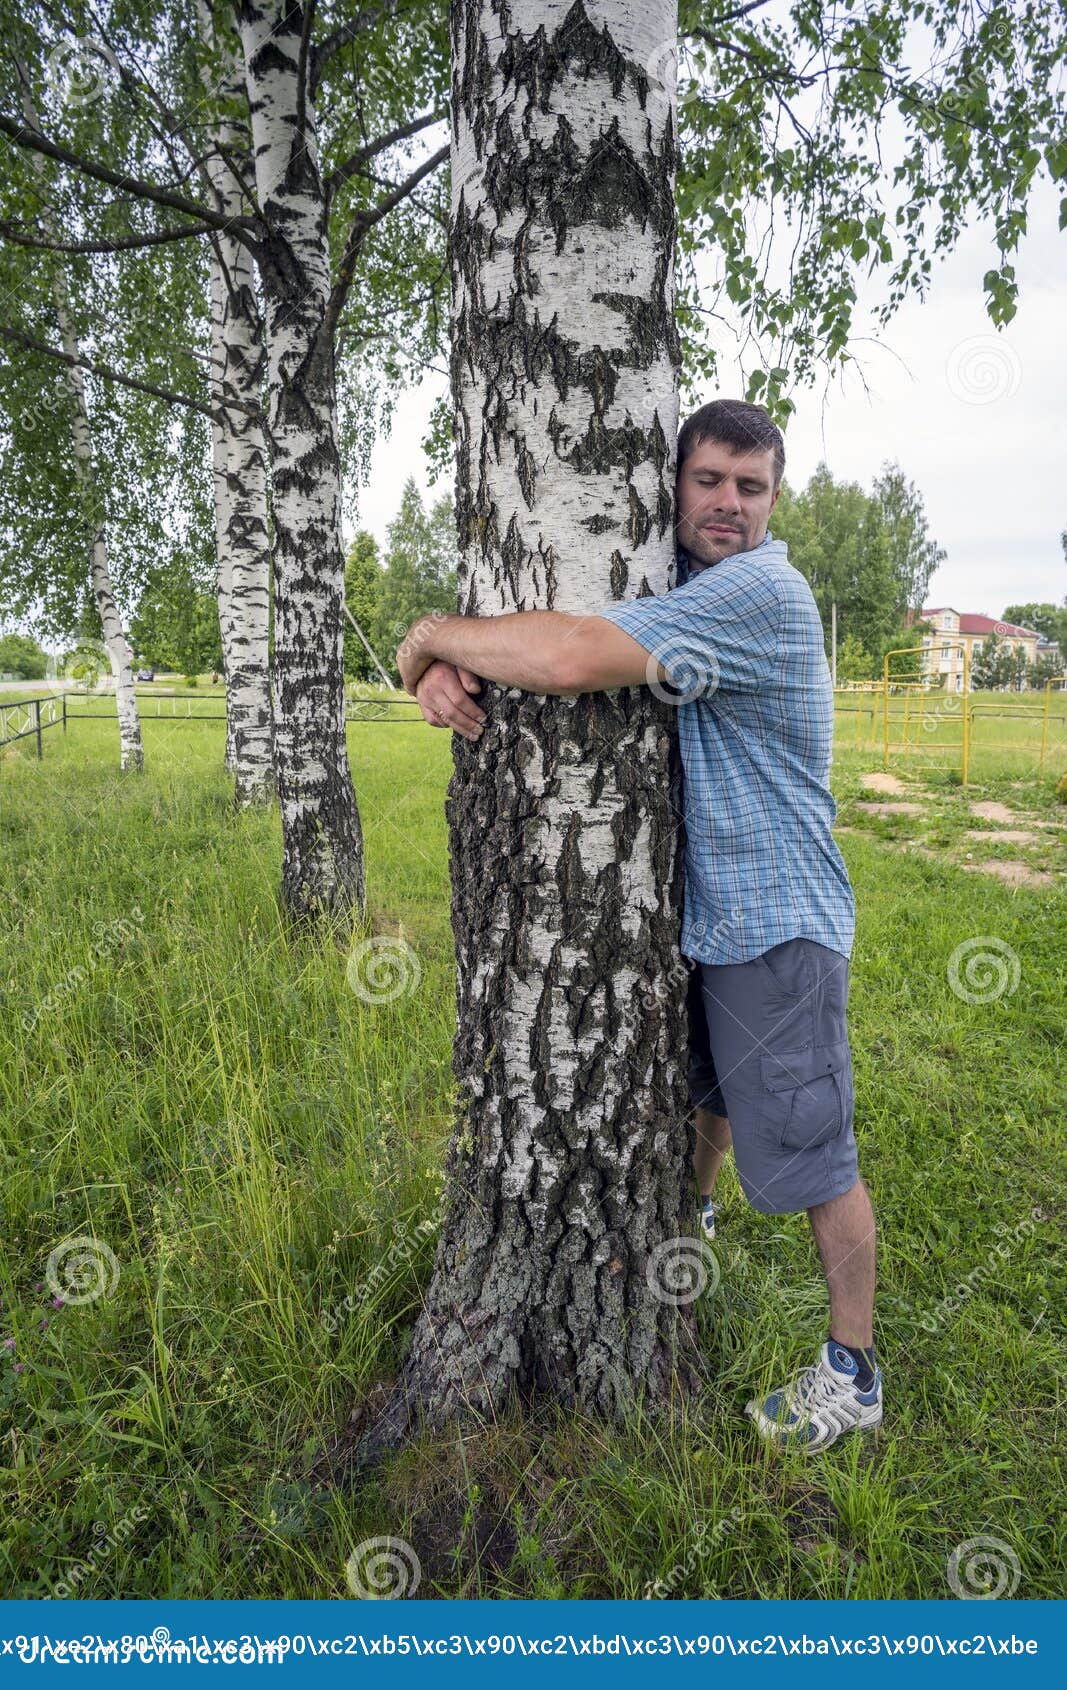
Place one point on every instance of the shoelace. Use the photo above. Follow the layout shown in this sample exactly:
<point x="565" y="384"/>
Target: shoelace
<point x="812" y="1388"/>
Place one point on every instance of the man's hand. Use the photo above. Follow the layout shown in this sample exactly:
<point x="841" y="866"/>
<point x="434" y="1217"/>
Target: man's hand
<point x="444" y="697"/>
<point x="414" y="656"/>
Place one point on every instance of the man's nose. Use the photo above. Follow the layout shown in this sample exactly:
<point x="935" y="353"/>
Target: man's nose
<point x="726" y="498"/>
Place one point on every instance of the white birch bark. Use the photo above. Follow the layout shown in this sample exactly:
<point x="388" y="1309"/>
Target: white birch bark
<point x="322" y="868"/>
<point x="239" y="460"/>
<point x="569" y="1173"/>
<point x="131" y="749"/>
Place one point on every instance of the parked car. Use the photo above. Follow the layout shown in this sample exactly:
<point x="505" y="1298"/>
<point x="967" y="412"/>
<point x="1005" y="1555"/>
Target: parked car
<point x="145" y="675"/>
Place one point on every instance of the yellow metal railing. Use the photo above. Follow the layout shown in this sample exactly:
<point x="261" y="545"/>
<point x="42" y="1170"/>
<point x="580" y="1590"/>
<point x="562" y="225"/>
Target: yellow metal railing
<point x="968" y="708"/>
<point x="1049" y="684"/>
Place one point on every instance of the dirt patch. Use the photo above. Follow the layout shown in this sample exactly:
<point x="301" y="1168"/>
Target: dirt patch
<point x="901" y="809"/>
<point x="1012" y="874"/>
<point x="991" y="811"/>
<point x="1005" y="835"/>
<point x="882" y="783"/>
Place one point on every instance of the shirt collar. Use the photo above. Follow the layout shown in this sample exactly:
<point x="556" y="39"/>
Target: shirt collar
<point x="686" y="570"/>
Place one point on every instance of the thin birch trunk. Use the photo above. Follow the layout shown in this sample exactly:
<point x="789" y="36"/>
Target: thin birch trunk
<point x="131" y="748"/>
<point x="322" y="866"/>
<point x="239" y="459"/>
<point x="570" y="1198"/>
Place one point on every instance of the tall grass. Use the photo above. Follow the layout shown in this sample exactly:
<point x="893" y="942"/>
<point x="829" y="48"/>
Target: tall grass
<point x="246" y="1143"/>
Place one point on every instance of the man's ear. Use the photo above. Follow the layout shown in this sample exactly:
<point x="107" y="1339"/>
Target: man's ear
<point x="777" y="490"/>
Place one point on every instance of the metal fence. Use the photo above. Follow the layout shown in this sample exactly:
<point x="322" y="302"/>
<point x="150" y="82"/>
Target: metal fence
<point x="29" y="717"/>
<point x="903" y="718"/>
<point x="24" y="717"/>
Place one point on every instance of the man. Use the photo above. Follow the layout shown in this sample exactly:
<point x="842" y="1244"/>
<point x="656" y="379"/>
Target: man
<point x="769" y="913"/>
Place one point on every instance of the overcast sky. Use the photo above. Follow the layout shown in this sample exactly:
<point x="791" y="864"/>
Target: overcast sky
<point x="975" y="416"/>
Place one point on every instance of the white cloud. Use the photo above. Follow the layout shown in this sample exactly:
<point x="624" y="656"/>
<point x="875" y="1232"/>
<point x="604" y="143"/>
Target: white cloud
<point x="977" y="419"/>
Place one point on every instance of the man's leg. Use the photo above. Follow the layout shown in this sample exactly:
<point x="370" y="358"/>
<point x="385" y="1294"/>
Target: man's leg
<point x="711" y="1142"/>
<point x="845" y="1233"/>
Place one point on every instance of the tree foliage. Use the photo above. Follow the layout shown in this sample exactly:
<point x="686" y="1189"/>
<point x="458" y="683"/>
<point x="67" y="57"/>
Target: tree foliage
<point x="845" y="140"/>
<point x="175" y="625"/>
<point x="21" y="655"/>
<point x="863" y="552"/>
<point x="1048" y="620"/>
<point x="363" y="591"/>
<point x="420" y="568"/>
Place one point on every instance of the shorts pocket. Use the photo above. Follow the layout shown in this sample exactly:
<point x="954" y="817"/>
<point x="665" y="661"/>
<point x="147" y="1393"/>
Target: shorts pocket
<point x="807" y="1094"/>
<point x="788" y="970"/>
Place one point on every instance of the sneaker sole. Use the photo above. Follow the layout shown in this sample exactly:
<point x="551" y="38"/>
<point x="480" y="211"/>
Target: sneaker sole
<point x="770" y="1431"/>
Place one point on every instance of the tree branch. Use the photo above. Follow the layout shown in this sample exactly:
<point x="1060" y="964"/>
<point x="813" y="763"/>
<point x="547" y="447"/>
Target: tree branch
<point x="731" y="17"/>
<point x="347" y="32"/>
<point x="403" y="132"/>
<point x="108" y="374"/>
<point x="361" y="224"/>
<point x="24" y="137"/>
<point x="124" y="243"/>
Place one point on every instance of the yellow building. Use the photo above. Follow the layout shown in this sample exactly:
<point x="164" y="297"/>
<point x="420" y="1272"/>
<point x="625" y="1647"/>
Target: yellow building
<point x="956" y="629"/>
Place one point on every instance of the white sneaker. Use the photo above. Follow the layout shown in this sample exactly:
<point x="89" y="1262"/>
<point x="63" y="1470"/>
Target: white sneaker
<point x="819" y="1404"/>
<point x="707" y="1217"/>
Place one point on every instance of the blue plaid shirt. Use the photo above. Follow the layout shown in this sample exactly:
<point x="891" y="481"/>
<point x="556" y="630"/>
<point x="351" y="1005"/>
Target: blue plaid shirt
<point x="742" y="642"/>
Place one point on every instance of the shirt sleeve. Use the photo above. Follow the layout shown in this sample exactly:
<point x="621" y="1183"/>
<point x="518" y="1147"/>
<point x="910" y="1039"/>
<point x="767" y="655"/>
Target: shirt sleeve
<point x="719" y="631"/>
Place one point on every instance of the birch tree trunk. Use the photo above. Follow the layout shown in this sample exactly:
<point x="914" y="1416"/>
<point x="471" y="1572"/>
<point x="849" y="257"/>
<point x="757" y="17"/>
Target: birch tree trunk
<point x="570" y="1197"/>
<point x="131" y="748"/>
<point x="239" y="455"/>
<point x="322" y="867"/>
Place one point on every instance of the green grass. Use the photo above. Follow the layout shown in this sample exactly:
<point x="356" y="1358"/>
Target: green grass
<point x="212" y="1102"/>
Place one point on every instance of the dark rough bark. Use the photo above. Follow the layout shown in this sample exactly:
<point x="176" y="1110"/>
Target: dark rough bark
<point x="568" y="1175"/>
<point x="322" y="866"/>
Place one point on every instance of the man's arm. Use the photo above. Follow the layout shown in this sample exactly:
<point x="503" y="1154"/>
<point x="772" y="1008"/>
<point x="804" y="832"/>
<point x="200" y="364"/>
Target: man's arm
<point x="542" y="651"/>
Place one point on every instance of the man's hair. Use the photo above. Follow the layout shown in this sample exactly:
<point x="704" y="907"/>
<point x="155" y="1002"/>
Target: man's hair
<point x="733" y="423"/>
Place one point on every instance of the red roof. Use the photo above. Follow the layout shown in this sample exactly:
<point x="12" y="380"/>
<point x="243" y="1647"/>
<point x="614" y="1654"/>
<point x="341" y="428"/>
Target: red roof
<point x="970" y="623"/>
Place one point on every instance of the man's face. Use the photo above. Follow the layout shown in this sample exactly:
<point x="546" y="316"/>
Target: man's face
<point x="725" y="499"/>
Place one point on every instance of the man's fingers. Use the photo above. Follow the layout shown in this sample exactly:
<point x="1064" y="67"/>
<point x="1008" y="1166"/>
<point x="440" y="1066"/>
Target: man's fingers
<point x="444" y="714"/>
<point x="449" y="689"/>
<point x="473" y="683"/>
<point x="445" y="704"/>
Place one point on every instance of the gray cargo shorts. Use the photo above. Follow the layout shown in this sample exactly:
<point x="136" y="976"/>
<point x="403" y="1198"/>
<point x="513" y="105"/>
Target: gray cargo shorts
<point x="768" y="1047"/>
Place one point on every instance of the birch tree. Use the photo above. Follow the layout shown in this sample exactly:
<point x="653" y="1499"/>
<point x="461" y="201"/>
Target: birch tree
<point x="567" y="1215"/>
<point x="131" y="748"/>
<point x="568" y="1172"/>
<point x="310" y="231"/>
<point x="238" y="442"/>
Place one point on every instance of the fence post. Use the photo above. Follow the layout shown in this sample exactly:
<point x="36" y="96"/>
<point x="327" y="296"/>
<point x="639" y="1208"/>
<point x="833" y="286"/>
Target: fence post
<point x="885" y="712"/>
<point x="967" y="717"/>
<point x="64" y="698"/>
<point x="37" y="713"/>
